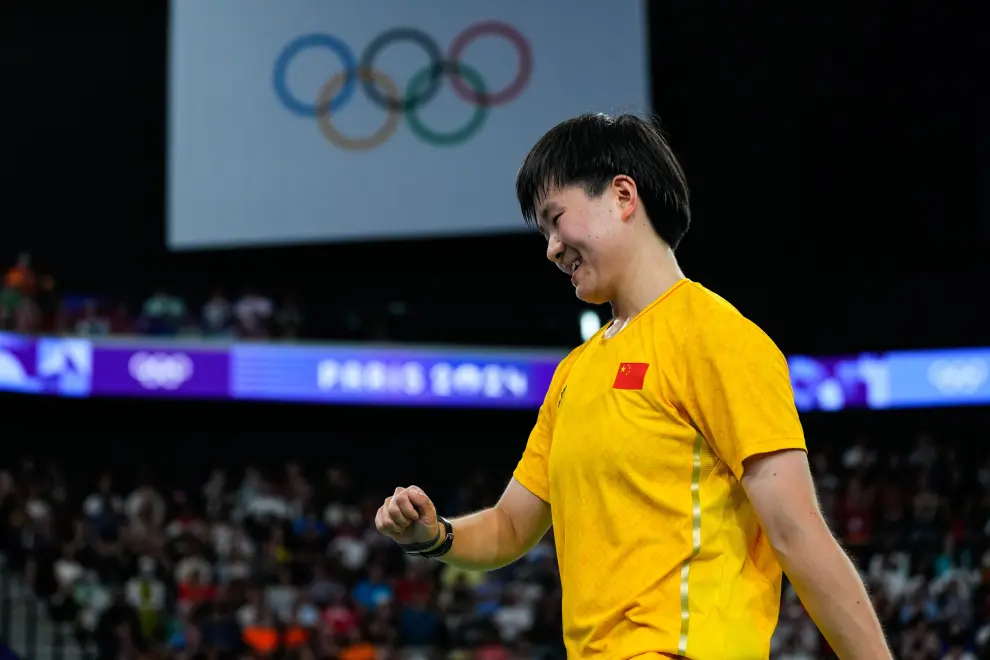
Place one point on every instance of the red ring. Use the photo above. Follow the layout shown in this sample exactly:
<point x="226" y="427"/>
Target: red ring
<point x="513" y="90"/>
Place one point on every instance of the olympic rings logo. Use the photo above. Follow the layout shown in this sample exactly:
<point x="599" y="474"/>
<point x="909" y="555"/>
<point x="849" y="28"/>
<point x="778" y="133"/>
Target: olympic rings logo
<point x="466" y="81"/>
<point x="160" y="370"/>
<point x="958" y="376"/>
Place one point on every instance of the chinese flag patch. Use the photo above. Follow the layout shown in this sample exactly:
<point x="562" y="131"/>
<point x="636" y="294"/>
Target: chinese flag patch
<point x="631" y="376"/>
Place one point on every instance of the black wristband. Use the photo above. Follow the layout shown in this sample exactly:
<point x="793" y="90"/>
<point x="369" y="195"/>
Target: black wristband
<point x="417" y="548"/>
<point x="424" y="549"/>
<point x="448" y="542"/>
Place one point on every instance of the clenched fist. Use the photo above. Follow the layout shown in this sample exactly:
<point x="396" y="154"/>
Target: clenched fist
<point x="408" y="517"/>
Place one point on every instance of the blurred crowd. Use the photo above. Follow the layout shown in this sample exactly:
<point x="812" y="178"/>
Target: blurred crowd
<point x="31" y="303"/>
<point x="285" y="563"/>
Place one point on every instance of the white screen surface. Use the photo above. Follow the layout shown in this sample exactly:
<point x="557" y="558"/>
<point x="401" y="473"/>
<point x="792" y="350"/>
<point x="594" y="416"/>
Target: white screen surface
<point x="250" y="163"/>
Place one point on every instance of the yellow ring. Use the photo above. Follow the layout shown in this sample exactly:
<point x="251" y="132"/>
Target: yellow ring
<point x="329" y="92"/>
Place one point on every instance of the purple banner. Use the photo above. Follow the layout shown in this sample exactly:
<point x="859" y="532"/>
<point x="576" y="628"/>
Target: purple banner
<point x="409" y="376"/>
<point x="831" y="383"/>
<point x="391" y="376"/>
<point x="162" y="371"/>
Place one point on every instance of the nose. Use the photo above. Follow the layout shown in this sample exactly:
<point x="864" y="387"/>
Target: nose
<point x="555" y="249"/>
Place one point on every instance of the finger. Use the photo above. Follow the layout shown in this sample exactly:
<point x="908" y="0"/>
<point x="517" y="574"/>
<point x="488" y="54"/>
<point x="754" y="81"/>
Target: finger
<point x="388" y="525"/>
<point x="393" y="530"/>
<point x="406" y="506"/>
<point x="396" y="515"/>
<point x="418" y="498"/>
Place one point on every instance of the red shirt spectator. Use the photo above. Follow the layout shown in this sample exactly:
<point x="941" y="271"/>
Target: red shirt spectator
<point x="194" y="591"/>
<point x="341" y="620"/>
<point x="21" y="276"/>
<point x="412" y="585"/>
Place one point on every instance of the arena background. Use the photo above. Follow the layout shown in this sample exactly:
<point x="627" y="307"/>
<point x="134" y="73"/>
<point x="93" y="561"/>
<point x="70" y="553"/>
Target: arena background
<point x="838" y="159"/>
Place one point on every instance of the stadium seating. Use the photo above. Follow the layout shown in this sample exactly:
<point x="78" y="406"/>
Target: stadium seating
<point x="287" y="561"/>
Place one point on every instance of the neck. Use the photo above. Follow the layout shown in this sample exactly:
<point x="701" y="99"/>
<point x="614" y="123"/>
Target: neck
<point x="651" y="272"/>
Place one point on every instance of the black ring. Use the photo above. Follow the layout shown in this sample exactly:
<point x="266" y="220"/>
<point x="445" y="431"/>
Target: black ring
<point x="419" y="38"/>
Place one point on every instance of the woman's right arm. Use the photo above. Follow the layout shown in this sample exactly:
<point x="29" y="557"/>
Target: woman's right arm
<point x="483" y="541"/>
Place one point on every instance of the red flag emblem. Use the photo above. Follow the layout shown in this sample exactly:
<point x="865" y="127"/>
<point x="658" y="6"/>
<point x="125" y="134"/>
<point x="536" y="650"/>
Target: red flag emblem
<point x="631" y="376"/>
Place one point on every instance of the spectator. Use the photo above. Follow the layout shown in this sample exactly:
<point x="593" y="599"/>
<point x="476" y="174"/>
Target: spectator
<point x="194" y="588"/>
<point x="307" y="614"/>
<point x="919" y="641"/>
<point x="311" y="534"/>
<point x="323" y="590"/>
<point x="104" y="508"/>
<point x="289" y="318"/>
<point x="212" y="570"/>
<point x="48" y="305"/>
<point x="341" y="620"/>
<point x="120" y="319"/>
<point x="266" y="635"/>
<point x="215" y="494"/>
<point x="281" y="596"/>
<point x="491" y="647"/>
<point x="146" y="594"/>
<point x="163" y="313"/>
<point x="415" y="585"/>
<point x="419" y="624"/>
<point x="21" y="276"/>
<point x="251" y="611"/>
<point x="515" y="616"/>
<point x="68" y="571"/>
<point x="92" y="323"/>
<point x="145" y="510"/>
<point x="118" y="632"/>
<point x="18" y="309"/>
<point x="373" y="589"/>
<point x="30" y="302"/>
<point x="217" y="315"/>
<point x="253" y="313"/>
<point x="221" y="635"/>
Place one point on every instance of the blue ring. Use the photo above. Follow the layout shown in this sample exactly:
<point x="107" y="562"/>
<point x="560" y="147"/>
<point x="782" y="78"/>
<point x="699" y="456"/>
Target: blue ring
<point x="297" y="46"/>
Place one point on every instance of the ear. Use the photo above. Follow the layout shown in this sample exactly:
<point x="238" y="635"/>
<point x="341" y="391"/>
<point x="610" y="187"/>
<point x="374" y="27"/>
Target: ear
<point x="626" y="195"/>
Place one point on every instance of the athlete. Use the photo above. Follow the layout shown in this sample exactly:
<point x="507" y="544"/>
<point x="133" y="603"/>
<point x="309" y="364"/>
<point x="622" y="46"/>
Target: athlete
<point x="668" y="454"/>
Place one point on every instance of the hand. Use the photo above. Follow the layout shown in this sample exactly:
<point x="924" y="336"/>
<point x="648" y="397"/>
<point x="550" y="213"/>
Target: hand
<point x="408" y="517"/>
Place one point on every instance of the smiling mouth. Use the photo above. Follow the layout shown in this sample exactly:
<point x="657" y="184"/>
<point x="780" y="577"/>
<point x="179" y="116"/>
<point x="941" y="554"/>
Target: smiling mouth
<point x="575" y="267"/>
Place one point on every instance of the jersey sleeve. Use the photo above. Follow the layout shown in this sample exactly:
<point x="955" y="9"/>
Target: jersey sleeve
<point x="739" y="391"/>
<point x="533" y="469"/>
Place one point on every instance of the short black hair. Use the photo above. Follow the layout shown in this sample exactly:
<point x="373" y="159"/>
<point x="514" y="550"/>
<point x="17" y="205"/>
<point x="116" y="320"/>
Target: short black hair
<point x="592" y="149"/>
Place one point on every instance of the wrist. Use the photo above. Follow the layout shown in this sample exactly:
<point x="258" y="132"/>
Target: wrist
<point x="441" y="534"/>
<point x="446" y="530"/>
<point x="419" y="547"/>
<point x="436" y="547"/>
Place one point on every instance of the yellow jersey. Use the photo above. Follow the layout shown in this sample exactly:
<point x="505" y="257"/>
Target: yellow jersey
<point x="639" y="448"/>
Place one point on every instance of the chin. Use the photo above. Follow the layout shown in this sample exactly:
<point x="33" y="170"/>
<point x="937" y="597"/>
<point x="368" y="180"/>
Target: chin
<point x="590" y="296"/>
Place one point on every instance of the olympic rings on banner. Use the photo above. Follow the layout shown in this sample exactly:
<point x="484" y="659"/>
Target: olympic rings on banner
<point x="470" y="128"/>
<point x="336" y="46"/>
<point x="513" y="89"/>
<point x="380" y="89"/>
<point x="325" y="101"/>
<point x="422" y="96"/>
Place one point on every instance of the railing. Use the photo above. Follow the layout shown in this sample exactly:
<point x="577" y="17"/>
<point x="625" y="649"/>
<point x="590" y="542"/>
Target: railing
<point x="27" y="629"/>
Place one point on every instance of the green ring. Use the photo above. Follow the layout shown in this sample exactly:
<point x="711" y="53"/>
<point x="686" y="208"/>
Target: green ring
<point x="459" y="135"/>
